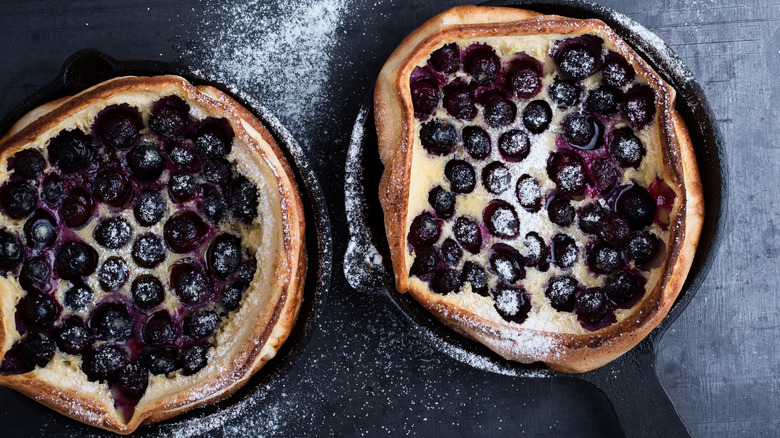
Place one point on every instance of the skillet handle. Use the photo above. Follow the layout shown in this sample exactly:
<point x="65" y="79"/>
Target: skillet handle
<point x="641" y="403"/>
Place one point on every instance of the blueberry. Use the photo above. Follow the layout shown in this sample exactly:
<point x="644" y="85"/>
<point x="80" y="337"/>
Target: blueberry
<point x="536" y="253"/>
<point x="496" y="178"/>
<point x="642" y="247"/>
<point x="476" y="142"/>
<point x="459" y="101"/>
<point x="112" y="321"/>
<point x="10" y="251"/>
<point x="425" y="230"/>
<point x="184" y="231"/>
<point x="614" y="229"/>
<point x="604" y="259"/>
<point x="231" y="295"/>
<point x="461" y="175"/>
<point x="77" y="208"/>
<point x="38" y="349"/>
<point x="133" y="381"/>
<point x="190" y="283"/>
<point x="28" y="163"/>
<point x="501" y="219"/>
<point x="224" y="255"/>
<point x="482" y="64"/>
<point x="18" y="199"/>
<point x="514" y="145"/>
<point x="525" y="77"/>
<point x="638" y="106"/>
<point x="170" y="116"/>
<point x="582" y="131"/>
<point x="73" y="337"/>
<point x="160" y="361"/>
<point x="567" y="170"/>
<point x="445" y="281"/>
<point x="182" y="187"/>
<point x="579" y="57"/>
<point x="476" y="276"/>
<point x="159" y="329"/>
<point x="529" y="193"/>
<point x="214" y="138"/>
<point x="216" y="171"/>
<point x="604" y="100"/>
<point x="40" y="230"/>
<point x="147" y="291"/>
<point x="626" y="147"/>
<point x="51" y="191"/>
<point x="451" y="252"/>
<point x="148" y="251"/>
<point x="560" y="210"/>
<point x="564" y="251"/>
<point x="446" y="59"/>
<point x="243" y="199"/>
<point x="561" y="292"/>
<point x="145" y="162"/>
<point x="537" y="116"/>
<point x="636" y="204"/>
<point x="564" y="93"/>
<point x="213" y="205"/>
<point x="605" y="175"/>
<point x="246" y="270"/>
<point x="113" y="188"/>
<point x="149" y="208"/>
<point x="35" y="275"/>
<point x="468" y="234"/>
<point x="105" y="363"/>
<point x="113" y="233"/>
<point x="616" y="71"/>
<point x="623" y="287"/>
<point x="182" y="154"/>
<point x="39" y="310"/>
<point x="113" y="274"/>
<point x="442" y="201"/>
<point x="589" y="217"/>
<point x="506" y="262"/>
<point x="438" y="137"/>
<point x="193" y="358"/>
<point x="201" y="323"/>
<point x="592" y="306"/>
<point x="71" y="151"/>
<point x="498" y="110"/>
<point x="77" y="297"/>
<point x="512" y="303"/>
<point x="425" y="97"/>
<point x="119" y="126"/>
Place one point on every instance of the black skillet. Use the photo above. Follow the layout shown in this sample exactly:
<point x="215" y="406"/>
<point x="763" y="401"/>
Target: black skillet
<point x="630" y="382"/>
<point x="86" y="68"/>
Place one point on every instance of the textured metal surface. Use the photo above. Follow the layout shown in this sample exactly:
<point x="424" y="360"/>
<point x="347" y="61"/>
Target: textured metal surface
<point x="362" y="373"/>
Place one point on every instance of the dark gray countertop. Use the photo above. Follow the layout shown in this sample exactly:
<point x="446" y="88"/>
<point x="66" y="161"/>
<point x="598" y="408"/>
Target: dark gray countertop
<point x="313" y="62"/>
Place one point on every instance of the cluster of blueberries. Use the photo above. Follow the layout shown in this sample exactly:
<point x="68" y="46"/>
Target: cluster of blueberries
<point x="593" y="149"/>
<point x="117" y="177"/>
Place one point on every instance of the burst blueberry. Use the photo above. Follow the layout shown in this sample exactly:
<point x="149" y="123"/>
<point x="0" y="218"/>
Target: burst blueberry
<point x="498" y="110"/>
<point x="214" y="138"/>
<point x="638" y="106"/>
<point x="201" y="323"/>
<point x="71" y="151"/>
<point x="38" y="349"/>
<point x="459" y="101"/>
<point x="589" y="217"/>
<point x="626" y="147"/>
<point x="604" y="259"/>
<point x="564" y="251"/>
<point x="193" y="358"/>
<point x="160" y="361"/>
<point x="119" y="126"/>
<point x="133" y="381"/>
<point x="105" y="363"/>
<point x="51" y="190"/>
<point x="529" y="193"/>
<point x="445" y="281"/>
<point x="446" y="59"/>
<point x="567" y="170"/>
<point x="636" y="204"/>
<point x="560" y="211"/>
<point x="39" y="309"/>
<point x="604" y="100"/>
<point x="425" y="97"/>
<point x="623" y="287"/>
<point x="467" y="233"/>
<point x="243" y="199"/>
<point x="77" y="208"/>
<point x="112" y="321"/>
<point x="482" y="64"/>
<point x="28" y="163"/>
<point x="582" y="131"/>
<point x="592" y="306"/>
<point x="560" y="291"/>
<point x="476" y="276"/>
<point x="170" y="116"/>
<point x="524" y="77"/>
<point x="159" y="329"/>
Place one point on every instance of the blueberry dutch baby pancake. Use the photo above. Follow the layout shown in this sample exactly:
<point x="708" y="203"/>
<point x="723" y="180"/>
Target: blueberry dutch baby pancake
<point x="540" y="192"/>
<point x="151" y="247"/>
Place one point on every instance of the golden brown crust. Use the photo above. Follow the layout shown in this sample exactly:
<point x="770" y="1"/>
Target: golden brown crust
<point x="395" y="128"/>
<point x="268" y="333"/>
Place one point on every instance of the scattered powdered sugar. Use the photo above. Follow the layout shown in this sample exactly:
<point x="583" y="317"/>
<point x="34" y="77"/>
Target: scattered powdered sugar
<point x="282" y="50"/>
<point x="678" y="68"/>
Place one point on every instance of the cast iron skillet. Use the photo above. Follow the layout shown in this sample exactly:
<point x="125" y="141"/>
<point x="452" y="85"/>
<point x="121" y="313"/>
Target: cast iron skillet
<point x="631" y="381"/>
<point x="89" y="67"/>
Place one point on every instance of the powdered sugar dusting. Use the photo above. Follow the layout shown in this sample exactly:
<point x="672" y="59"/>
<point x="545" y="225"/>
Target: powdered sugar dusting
<point x="281" y="49"/>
